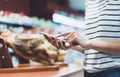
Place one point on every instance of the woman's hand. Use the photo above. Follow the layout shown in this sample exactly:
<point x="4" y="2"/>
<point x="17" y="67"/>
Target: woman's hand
<point x="58" y="42"/>
<point x="73" y="38"/>
<point x="67" y="40"/>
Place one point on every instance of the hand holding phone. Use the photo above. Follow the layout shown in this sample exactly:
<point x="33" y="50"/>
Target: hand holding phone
<point x="56" y="41"/>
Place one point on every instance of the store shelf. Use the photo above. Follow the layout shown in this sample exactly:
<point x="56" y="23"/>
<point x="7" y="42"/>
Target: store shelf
<point x="16" y="25"/>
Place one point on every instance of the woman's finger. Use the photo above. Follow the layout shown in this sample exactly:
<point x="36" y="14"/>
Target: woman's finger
<point x="61" y="44"/>
<point x="69" y="36"/>
<point x="63" y="34"/>
<point x="72" y="39"/>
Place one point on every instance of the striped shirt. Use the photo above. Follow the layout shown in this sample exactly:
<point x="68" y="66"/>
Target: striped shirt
<point x="103" y="23"/>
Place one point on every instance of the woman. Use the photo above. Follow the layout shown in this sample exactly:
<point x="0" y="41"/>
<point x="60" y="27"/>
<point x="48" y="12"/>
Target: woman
<point x="101" y="45"/>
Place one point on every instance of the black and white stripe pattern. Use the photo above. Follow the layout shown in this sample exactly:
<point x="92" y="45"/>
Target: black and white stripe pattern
<point x="102" y="22"/>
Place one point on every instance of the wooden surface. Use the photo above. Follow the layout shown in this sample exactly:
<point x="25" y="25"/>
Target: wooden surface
<point x="29" y="69"/>
<point x="33" y="68"/>
<point x="59" y="64"/>
<point x="62" y="72"/>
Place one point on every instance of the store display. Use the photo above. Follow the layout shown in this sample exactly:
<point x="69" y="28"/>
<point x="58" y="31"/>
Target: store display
<point x="41" y="49"/>
<point x="33" y="47"/>
<point x="9" y="17"/>
<point x="29" y="29"/>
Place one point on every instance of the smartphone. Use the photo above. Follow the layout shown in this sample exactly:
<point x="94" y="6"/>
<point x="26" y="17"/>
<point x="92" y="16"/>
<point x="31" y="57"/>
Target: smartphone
<point x="53" y="40"/>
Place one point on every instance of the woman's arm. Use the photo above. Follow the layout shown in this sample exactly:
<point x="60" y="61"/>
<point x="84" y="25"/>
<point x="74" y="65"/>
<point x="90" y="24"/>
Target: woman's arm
<point x="109" y="47"/>
<point x="78" y="48"/>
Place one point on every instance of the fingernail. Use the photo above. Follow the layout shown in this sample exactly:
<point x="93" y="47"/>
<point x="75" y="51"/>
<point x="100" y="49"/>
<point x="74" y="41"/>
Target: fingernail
<point x="67" y="44"/>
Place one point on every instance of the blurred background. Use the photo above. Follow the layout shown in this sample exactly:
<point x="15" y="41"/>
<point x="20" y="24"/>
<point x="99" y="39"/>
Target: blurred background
<point x="50" y="16"/>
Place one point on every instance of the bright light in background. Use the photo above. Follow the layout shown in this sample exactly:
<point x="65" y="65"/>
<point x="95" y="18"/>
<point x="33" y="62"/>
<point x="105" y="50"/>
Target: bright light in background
<point x="68" y="21"/>
<point x="77" y="4"/>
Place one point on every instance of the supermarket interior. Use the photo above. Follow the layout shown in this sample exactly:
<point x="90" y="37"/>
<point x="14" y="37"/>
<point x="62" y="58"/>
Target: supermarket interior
<point x="25" y="52"/>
